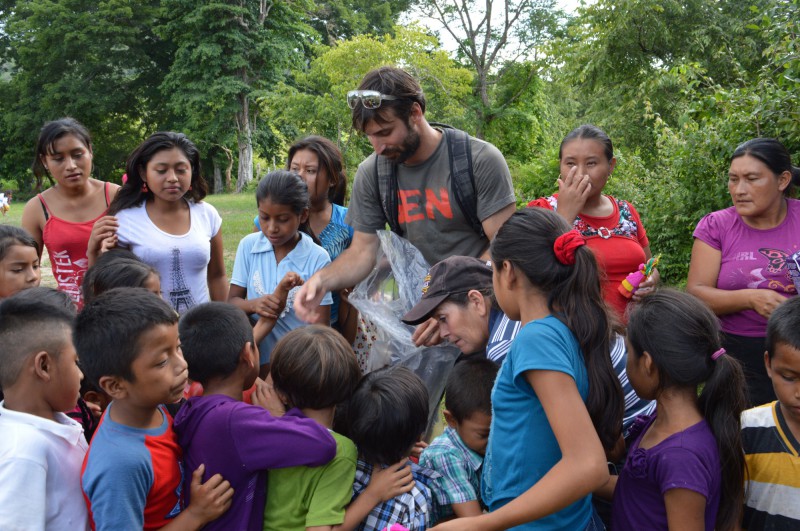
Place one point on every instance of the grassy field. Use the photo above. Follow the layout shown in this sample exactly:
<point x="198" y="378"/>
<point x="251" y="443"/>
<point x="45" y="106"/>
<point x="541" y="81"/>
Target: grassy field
<point x="237" y="211"/>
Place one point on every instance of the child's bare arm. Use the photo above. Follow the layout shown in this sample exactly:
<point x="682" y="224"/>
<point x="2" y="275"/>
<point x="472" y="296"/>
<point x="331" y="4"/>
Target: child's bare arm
<point x="269" y="307"/>
<point x="470" y="508"/>
<point x="384" y="485"/>
<point x="263" y="327"/>
<point x="289" y="281"/>
<point x="606" y="492"/>
<point x="209" y="501"/>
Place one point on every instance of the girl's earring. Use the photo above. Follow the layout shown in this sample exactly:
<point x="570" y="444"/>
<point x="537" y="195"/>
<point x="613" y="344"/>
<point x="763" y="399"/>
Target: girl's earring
<point x="144" y="187"/>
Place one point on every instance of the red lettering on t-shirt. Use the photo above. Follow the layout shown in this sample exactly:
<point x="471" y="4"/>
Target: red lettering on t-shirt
<point x="441" y="204"/>
<point x="406" y="209"/>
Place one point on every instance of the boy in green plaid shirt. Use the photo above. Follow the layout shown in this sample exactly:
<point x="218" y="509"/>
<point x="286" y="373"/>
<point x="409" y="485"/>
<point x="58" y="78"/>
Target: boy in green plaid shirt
<point x="457" y="454"/>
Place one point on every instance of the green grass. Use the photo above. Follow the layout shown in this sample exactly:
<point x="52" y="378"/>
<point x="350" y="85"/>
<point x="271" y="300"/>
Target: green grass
<point x="237" y="211"/>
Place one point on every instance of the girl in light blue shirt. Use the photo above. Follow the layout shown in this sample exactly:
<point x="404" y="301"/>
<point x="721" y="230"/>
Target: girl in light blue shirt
<point x="284" y="245"/>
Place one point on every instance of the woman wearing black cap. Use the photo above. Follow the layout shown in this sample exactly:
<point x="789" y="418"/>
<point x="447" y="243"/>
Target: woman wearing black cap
<point x="458" y="294"/>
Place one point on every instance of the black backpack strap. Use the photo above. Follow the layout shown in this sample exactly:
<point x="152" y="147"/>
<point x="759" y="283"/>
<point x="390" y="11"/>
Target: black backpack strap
<point x="386" y="172"/>
<point x="462" y="178"/>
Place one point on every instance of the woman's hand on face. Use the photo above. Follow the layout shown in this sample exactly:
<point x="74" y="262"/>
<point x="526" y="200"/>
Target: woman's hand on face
<point x="427" y="334"/>
<point x="573" y="190"/>
<point x="764" y="301"/>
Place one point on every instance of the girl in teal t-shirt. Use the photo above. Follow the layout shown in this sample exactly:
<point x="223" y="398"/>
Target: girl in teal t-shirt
<point x="557" y="404"/>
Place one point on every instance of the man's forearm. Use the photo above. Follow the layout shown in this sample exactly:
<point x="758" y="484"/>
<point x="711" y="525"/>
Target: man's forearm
<point x="350" y="267"/>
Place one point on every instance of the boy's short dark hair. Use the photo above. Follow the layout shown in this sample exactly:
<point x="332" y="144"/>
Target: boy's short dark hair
<point x="29" y="325"/>
<point x="469" y="387"/>
<point x="212" y="337"/>
<point x="108" y="330"/>
<point x="784" y="326"/>
<point x="314" y="367"/>
<point x="51" y="296"/>
<point x="387" y="414"/>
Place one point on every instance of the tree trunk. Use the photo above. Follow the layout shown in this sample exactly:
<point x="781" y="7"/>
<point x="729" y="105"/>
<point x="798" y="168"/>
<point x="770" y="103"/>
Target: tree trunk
<point x="245" y="142"/>
<point x="228" y="170"/>
<point x="217" y="178"/>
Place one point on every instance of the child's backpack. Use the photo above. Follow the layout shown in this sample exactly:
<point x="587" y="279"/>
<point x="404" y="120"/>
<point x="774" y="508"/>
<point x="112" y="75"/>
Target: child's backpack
<point x="462" y="180"/>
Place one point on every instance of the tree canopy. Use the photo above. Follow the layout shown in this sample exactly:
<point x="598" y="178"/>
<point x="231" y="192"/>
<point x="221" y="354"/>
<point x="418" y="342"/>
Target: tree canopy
<point x="677" y="84"/>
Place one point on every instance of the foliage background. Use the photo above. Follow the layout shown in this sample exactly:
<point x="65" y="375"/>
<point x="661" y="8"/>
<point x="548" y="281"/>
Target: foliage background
<point x="676" y="84"/>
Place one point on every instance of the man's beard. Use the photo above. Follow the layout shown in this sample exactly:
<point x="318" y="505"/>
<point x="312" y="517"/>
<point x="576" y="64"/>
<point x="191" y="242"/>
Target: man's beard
<point x="409" y="146"/>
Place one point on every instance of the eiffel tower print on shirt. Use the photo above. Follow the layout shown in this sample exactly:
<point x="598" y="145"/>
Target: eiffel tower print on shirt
<point x="179" y="296"/>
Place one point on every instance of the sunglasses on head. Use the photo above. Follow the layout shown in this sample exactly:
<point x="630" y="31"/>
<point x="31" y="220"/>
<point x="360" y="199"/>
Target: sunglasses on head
<point x="370" y="99"/>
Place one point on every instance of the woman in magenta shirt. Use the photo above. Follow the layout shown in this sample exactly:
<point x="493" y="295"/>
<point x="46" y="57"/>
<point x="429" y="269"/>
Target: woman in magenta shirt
<point x="741" y="255"/>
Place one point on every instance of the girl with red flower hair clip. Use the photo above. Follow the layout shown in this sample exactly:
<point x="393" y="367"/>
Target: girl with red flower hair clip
<point x="557" y="403"/>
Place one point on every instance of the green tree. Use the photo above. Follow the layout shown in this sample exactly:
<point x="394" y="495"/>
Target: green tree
<point x="315" y="101"/>
<point x="228" y="54"/>
<point x="494" y="39"/>
<point x="618" y="54"/>
<point x="91" y="60"/>
<point x="338" y="20"/>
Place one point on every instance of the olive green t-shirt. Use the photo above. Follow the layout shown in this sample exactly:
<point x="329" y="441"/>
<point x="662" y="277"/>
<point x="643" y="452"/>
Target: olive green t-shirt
<point x="301" y="496"/>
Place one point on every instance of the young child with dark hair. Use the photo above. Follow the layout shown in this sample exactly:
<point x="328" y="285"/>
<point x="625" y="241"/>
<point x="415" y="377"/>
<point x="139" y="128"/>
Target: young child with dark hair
<point x="284" y="245"/>
<point x="91" y="401"/>
<point x="458" y="453"/>
<point x="132" y="475"/>
<point x="385" y="417"/>
<point x="41" y="449"/>
<point x="241" y="441"/>
<point x="19" y="261"/>
<point x="771" y="432"/>
<point x="119" y="268"/>
<point x="685" y="466"/>
<point x="314" y="369"/>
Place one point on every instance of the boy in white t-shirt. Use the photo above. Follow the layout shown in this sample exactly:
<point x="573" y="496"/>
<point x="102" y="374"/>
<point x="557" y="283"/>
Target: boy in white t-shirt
<point x="41" y="449"/>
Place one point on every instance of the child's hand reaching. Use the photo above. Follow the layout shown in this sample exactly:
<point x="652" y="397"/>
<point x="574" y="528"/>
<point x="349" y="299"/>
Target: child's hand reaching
<point x="290" y="280"/>
<point x="270" y="306"/>
<point x="102" y="238"/>
<point x="265" y="396"/>
<point x="209" y="500"/>
<point x="386" y="483"/>
<point x="418" y="448"/>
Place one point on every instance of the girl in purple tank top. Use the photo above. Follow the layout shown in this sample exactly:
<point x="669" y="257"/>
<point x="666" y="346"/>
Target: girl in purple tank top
<point x="685" y="466"/>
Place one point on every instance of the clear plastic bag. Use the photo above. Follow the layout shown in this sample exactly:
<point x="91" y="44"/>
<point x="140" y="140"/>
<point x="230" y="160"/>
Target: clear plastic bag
<point x="392" y="288"/>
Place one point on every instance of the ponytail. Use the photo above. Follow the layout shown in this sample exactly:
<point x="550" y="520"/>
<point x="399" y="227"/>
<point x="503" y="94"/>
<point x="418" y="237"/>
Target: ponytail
<point x="574" y="297"/>
<point x="721" y="403"/>
<point x="682" y="336"/>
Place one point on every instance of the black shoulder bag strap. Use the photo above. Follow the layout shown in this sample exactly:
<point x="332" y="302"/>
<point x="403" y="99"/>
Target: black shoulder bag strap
<point x="462" y="180"/>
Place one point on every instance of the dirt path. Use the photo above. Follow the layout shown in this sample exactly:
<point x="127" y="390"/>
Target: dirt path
<point x="47" y="273"/>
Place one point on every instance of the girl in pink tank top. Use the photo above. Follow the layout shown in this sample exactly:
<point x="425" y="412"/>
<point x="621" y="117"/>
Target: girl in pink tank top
<point x="62" y="217"/>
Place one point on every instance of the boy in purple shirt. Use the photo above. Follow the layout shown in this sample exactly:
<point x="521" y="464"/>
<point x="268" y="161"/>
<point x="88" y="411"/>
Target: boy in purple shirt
<point x="238" y="440"/>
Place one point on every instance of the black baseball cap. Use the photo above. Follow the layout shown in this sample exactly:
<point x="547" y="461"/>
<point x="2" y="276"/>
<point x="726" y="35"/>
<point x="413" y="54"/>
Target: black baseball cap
<point x="457" y="274"/>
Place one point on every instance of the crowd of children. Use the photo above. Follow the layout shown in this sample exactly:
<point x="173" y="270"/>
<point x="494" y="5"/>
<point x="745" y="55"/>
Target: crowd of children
<point x="283" y="432"/>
